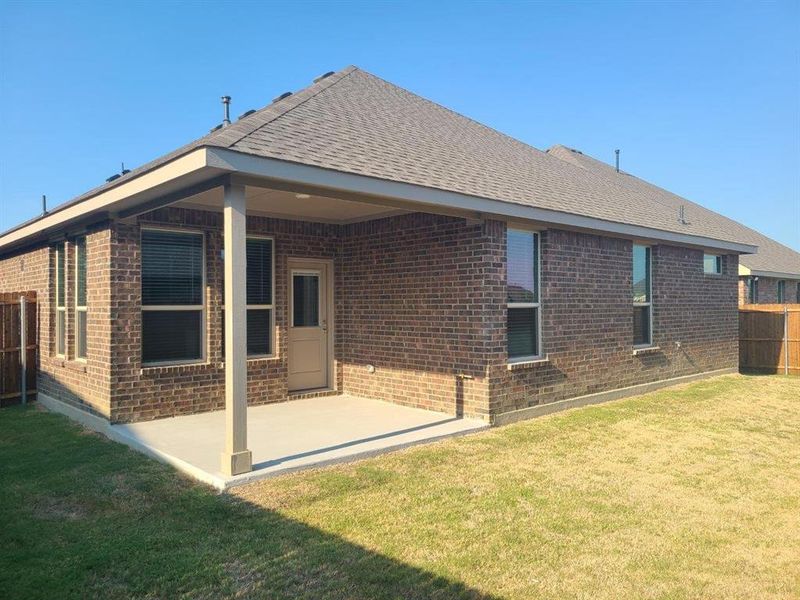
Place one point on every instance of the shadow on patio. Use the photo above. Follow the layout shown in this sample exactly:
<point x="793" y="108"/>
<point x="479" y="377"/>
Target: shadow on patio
<point x="98" y="520"/>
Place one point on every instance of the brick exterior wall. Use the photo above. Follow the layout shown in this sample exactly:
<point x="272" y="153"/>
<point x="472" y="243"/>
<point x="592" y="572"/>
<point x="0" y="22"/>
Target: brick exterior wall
<point x="419" y="297"/>
<point x="414" y="293"/>
<point x="587" y="318"/>
<point x="142" y="393"/>
<point x="768" y="290"/>
<point x="82" y="384"/>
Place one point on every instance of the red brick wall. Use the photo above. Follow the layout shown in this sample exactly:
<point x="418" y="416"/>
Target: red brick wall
<point x="409" y="299"/>
<point x="587" y="321"/>
<point x="152" y="392"/>
<point x="83" y="384"/>
<point x="419" y="297"/>
<point x="414" y="294"/>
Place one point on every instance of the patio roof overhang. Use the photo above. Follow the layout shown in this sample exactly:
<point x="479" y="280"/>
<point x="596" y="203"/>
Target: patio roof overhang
<point x="190" y="179"/>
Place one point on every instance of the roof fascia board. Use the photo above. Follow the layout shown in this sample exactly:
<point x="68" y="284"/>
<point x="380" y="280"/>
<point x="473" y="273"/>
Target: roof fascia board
<point x="183" y="165"/>
<point x="316" y="176"/>
<point x="774" y="274"/>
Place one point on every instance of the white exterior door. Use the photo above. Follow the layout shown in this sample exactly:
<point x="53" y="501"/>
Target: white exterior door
<point x="308" y="341"/>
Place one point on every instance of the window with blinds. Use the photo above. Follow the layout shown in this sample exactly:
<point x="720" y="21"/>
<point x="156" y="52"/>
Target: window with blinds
<point x="173" y="307"/>
<point x="80" y="298"/>
<point x="260" y="297"/>
<point x="523" y="303"/>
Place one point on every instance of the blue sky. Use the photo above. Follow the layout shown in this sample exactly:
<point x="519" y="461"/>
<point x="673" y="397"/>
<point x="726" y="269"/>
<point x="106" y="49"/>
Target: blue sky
<point x="702" y="98"/>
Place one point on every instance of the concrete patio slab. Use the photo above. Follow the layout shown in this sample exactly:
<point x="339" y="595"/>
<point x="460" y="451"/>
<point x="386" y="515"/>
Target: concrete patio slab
<point x="290" y="436"/>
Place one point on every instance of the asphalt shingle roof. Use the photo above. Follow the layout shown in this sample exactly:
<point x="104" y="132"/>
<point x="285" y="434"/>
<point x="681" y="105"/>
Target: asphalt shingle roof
<point x="771" y="256"/>
<point x="354" y="122"/>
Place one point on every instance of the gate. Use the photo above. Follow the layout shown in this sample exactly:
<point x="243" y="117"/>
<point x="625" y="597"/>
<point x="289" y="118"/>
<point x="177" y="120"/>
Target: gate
<point x="18" y="345"/>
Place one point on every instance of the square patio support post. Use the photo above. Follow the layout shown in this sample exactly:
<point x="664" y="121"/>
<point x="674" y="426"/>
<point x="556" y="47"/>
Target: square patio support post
<point x="236" y="458"/>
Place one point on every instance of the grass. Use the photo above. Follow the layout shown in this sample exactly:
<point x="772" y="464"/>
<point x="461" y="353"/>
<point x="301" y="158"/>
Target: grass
<point x="684" y="493"/>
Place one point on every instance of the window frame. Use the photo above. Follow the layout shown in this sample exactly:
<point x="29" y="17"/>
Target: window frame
<point x="61" y="324"/>
<point x="780" y="291"/>
<point x="78" y="308"/>
<point x="537" y="244"/>
<point x="203" y="308"/>
<point x="717" y="264"/>
<point x="649" y="303"/>
<point x="271" y="307"/>
<point x="752" y="290"/>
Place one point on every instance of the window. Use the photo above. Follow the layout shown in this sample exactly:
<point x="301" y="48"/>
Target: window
<point x="80" y="298"/>
<point x="61" y="300"/>
<point x="712" y="264"/>
<point x="523" y="301"/>
<point x="260" y="297"/>
<point x="781" y="292"/>
<point x="260" y="275"/>
<point x="752" y="291"/>
<point x="173" y="309"/>
<point x="642" y="302"/>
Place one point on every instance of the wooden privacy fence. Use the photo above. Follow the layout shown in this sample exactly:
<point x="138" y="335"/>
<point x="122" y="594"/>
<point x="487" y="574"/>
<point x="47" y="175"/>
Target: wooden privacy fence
<point x="769" y="338"/>
<point x="17" y="347"/>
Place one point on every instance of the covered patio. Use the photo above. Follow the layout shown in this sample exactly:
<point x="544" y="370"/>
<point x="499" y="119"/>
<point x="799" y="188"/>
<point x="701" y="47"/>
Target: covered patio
<point x="289" y="436"/>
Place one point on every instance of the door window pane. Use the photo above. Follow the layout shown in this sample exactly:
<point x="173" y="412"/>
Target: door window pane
<point x="522" y="336"/>
<point x="305" y="289"/>
<point x="522" y="265"/>
<point x="171" y="335"/>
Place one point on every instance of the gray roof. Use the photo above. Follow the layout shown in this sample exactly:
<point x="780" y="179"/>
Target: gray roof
<point x="354" y="122"/>
<point x="772" y="256"/>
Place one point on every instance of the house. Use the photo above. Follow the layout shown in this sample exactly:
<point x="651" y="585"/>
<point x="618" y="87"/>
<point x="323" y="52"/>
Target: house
<point x="770" y="276"/>
<point x="354" y="237"/>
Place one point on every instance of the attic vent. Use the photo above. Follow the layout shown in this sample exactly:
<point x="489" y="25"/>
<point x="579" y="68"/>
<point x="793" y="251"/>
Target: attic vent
<point x="281" y="97"/>
<point x="247" y="113"/>
<point x="575" y="151"/>
<point x="113" y="177"/>
<point x="213" y="129"/>
<point x="323" y="76"/>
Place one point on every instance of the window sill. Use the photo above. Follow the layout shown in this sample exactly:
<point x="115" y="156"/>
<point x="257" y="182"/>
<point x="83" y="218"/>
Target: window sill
<point x="170" y="367"/>
<point x="78" y="366"/>
<point x="645" y="350"/>
<point x="526" y="363"/>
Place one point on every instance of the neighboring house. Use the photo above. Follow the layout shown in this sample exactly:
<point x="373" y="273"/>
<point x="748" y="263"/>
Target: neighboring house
<point x="354" y="237"/>
<point x="770" y="276"/>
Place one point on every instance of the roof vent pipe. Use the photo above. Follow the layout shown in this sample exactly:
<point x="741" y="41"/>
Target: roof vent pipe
<point x="617" y="159"/>
<point x="226" y="119"/>
<point x="44" y="205"/>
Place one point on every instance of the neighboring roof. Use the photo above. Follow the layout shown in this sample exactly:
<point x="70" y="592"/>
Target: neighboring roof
<point x="772" y="257"/>
<point x="355" y="123"/>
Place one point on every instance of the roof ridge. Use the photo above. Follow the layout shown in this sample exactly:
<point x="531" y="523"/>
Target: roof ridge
<point x="288" y="104"/>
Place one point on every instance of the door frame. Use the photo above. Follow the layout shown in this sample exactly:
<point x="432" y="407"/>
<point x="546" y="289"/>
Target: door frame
<point x="291" y="265"/>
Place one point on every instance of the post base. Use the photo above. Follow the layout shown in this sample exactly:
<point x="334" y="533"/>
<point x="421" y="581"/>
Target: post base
<point x="237" y="462"/>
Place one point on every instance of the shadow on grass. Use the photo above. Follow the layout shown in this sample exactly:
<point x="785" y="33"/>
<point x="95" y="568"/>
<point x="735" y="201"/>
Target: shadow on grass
<point x="84" y="517"/>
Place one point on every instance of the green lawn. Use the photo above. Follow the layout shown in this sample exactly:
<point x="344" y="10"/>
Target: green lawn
<point x="684" y="493"/>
